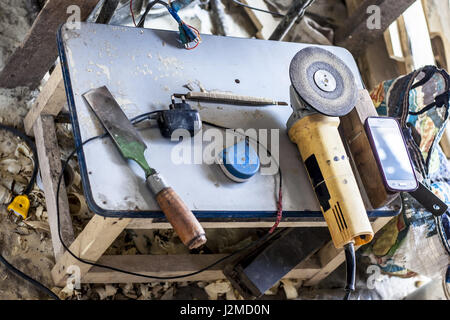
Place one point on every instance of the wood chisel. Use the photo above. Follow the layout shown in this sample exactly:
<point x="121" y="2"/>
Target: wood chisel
<point x="131" y="146"/>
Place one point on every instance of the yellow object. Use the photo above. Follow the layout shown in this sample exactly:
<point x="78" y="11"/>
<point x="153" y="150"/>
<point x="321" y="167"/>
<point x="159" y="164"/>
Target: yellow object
<point x="20" y="206"/>
<point x="331" y="175"/>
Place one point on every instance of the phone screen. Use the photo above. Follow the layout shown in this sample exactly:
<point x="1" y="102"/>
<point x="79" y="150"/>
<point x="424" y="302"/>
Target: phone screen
<point x="392" y="153"/>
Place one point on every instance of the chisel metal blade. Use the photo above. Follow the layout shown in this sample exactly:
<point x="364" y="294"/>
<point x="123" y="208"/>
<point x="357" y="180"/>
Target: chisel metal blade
<point x="120" y="128"/>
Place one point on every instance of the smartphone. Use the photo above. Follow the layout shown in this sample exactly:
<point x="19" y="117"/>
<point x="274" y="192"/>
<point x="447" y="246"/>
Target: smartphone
<point x="389" y="148"/>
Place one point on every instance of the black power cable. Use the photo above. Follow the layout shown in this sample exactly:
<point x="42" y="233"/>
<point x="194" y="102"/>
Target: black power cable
<point x="280" y="174"/>
<point x="27" y="191"/>
<point x="257" y="9"/>
<point x="22" y="275"/>
<point x="107" y="11"/>
<point x="136" y="120"/>
<point x="293" y="15"/>
<point x="147" y="10"/>
<point x="350" y="261"/>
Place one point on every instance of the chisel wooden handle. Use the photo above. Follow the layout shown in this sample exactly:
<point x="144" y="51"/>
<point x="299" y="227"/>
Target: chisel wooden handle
<point x="177" y="213"/>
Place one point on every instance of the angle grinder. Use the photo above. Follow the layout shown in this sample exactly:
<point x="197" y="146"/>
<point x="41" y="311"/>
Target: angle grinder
<point x="324" y="89"/>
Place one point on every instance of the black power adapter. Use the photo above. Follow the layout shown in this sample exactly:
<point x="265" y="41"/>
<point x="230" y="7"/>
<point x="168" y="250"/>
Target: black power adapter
<point x="179" y="116"/>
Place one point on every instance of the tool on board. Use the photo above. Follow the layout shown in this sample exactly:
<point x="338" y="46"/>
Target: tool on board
<point x="323" y="89"/>
<point x="132" y="147"/>
<point x="239" y="162"/>
<point x="229" y="98"/>
<point x="179" y="116"/>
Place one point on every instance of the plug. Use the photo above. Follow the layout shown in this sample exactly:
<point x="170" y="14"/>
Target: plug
<point x="179" y="116"/>
<point x="19" y="207"/>
<point x="187" y="36"/>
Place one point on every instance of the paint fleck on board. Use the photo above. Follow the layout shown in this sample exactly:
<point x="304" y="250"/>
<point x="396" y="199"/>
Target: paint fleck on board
<point x="123" y="103"/>
<point x="170" y="62"/>
<point x="105" y="70"/>
<point x="145" y="70"/>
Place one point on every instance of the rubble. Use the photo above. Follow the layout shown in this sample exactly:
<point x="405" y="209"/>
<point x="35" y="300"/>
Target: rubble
<point x="106" y="291"/>
<point x="217" y="288"/>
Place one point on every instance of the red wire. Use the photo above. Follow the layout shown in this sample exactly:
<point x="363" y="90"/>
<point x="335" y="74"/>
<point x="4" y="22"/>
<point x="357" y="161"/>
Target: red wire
<point x="132" y="13"/>
<point x="196" y="31"/>
<point x="279" y="212"/>
<point x="198" y="35"/>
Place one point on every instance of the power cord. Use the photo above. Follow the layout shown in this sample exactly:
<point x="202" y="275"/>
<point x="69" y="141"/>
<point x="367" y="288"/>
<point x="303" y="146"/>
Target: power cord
<point x="27" y="191"/>
<point x="280" y="187"/>
<point x="25" y="277"/>
<point x="257" y="9"/>
<point x="350" y="261"/>
<point x="147" y="10"/>
<point x="187" y="33"/>
<point x="136" y="120"/>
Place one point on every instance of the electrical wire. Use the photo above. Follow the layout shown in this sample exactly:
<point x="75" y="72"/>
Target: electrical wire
<point x="94" y="264"/>
<point x="147" y="10"/>
<point x="32" y="146"/>
<point x="199" y="38"/>
<point x="312" y="15"/>
<point x="293" y="16"/>
<point x="145" y="116"/>
<point x="280" y="187"/>
<point x="187" y="33"/>
<point x="257" y="9"/>
<point x="132" y="13"/>
<point x="22" y="275"/>
<point x="350" y="261"/>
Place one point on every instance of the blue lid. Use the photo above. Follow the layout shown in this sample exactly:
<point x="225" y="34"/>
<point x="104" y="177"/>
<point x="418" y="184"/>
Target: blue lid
<point x="241" y="160"/>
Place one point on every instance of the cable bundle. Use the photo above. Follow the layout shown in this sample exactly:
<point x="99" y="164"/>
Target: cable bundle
<point x="189" y="36"/>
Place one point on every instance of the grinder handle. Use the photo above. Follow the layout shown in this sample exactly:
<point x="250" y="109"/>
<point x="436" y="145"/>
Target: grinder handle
<point x="177" y="213"/>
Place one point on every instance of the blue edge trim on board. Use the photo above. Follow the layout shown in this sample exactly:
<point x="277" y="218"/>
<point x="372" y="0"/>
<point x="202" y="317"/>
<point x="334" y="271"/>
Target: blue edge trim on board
<point x="213" y="215"/>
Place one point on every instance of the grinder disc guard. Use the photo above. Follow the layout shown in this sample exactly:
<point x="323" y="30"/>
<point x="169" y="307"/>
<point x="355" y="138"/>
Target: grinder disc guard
<point x="323" y="82"/>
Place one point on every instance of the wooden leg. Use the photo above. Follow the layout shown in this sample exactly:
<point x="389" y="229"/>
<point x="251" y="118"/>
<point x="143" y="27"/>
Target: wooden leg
<point x="330" y="258"/>
<point x="50" y="168"/>
<point x="101" y="232"/>
<point x="50" y="101"/>
<point x="90" y="245"/>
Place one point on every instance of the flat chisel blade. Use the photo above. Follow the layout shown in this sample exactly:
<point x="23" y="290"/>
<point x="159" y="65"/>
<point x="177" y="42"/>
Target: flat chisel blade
<point x="116" y="123"/>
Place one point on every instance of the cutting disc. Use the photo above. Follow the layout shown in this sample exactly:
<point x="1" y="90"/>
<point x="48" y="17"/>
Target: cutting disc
<point x="323" y="81"/>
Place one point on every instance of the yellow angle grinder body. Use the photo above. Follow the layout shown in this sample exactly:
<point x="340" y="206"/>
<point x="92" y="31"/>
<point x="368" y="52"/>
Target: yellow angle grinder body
<point x="323" y="89"/>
